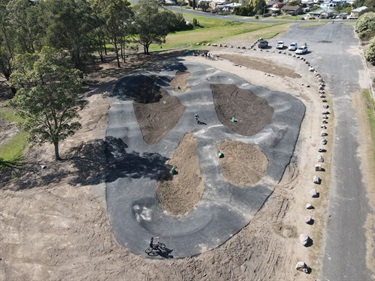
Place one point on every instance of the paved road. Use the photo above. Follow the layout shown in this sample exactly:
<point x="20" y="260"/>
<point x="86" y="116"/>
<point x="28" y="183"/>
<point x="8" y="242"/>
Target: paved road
<point x="345" y="242"/>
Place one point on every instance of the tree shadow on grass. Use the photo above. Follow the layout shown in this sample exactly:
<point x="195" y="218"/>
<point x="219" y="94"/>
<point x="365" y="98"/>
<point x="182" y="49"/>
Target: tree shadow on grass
<point x="94" y="162"/>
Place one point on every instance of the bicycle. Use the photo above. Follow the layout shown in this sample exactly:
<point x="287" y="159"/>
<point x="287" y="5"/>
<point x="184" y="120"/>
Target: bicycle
<point x="155" y="248"/>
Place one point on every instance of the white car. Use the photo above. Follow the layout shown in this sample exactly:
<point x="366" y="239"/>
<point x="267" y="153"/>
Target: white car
<point x="293" y="47"/>
<point x="280" y="45"/>
<point x="302" y="50"/>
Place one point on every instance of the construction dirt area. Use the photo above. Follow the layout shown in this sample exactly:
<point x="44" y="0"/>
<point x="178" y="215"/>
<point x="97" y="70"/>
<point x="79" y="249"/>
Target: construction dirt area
<point x="54" y="223"/>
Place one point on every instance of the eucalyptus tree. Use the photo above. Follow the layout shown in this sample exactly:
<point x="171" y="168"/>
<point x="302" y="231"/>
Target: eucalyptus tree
<point x="72" y="25"/>
<point x="28" y="23"/>
<point x="117" y="16"/>
<point x="7" y="42"/>
<point x="48" y="96"/>
<point x="152" y="23"/>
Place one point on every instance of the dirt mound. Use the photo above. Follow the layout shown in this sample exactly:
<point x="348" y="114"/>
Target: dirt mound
<point x="182" y="192"/>
<point x="179" y="82"/>
<point x="157" y="112"/>
<point x="242" y="164"/>
<point x="251" y="113"/>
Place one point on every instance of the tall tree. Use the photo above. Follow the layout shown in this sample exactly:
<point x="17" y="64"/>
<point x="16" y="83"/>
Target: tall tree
<point x="7" y="42"/>
<point x="72" y="23"/>
<point x="48" y="97"/>
<point x="152" y="23"/>
<point x="28" y="24"/>
<point x="117" y="16"/>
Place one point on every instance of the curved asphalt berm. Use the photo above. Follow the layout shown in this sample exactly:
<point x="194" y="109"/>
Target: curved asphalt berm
<point x="224" y="209"/>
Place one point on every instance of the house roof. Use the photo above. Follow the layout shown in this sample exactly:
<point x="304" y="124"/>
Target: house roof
<point x="360" y="9"/>
<point x="290" y="8"/>
<point x="322" y="10"/>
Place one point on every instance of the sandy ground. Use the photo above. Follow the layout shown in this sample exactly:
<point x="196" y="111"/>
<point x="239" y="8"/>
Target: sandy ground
<point x="53" y="230"/>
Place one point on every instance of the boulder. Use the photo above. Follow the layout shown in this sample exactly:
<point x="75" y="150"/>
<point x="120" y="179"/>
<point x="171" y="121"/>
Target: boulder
<point x="308" y="219"/>
<point x="309" y="206"/>
<point x="301" y="266"/>
<point x="317" y="180"/>
<point x="314" y="193"/>
<point x="304" y="239"/>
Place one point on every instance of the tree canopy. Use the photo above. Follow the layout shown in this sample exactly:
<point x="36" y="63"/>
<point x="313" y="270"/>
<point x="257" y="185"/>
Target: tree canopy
<point x="152" y="23"/>
<point x="48" y="97"/>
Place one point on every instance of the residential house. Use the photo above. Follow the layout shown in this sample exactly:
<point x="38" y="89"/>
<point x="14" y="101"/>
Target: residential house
<point x="292" y="10"/>
<point x="356" y="12"/>
<point x="276" y="7"/>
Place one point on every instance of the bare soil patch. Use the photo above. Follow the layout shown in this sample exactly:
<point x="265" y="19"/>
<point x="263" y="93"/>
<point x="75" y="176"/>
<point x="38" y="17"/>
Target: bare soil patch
<point x="182" y="192"/>
<point x="251" y="113"/>
<point x="261" y="64"/>
<point x="242" y="164"/>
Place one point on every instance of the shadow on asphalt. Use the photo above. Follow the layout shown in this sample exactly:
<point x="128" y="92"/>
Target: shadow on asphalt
<point x="94" y="162"/>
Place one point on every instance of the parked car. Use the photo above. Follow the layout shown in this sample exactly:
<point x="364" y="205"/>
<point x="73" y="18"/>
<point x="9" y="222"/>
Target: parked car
<point x="262" y="43"/>
<point x="302" y="50"/>
<point x="280" y="45"/>
<point x="293" y="47"/>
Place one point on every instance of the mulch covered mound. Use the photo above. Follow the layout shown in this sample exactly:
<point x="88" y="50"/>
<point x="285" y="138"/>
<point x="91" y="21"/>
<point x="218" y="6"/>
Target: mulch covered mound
<point x="157" y="112"/>
<point x="179" y="194"/>
<point x="179" y="82"/>
<point x="251" y="113"/>
<point x="242" y="164"/>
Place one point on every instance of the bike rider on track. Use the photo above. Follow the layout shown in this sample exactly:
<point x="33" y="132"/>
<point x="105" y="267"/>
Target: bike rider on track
<point x="152" y="245"/>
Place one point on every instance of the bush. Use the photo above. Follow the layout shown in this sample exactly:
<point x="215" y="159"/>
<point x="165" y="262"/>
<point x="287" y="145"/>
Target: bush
<point x="370" y="52"/>
<point x="204" y="6"/>
<point x="246" y="10"/>
<point x="365" y="26"/>
<point x="178" y="23"/>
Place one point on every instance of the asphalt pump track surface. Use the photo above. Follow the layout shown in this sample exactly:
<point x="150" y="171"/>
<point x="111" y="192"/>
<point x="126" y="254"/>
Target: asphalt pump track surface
<point x="224" y="209"/>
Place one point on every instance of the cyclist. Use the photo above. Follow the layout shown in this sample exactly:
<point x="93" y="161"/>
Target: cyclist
<point x="154" y="246"/>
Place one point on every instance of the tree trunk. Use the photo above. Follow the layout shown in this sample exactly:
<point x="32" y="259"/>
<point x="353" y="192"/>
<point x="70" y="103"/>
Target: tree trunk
<point x="116" y="51"/>
<point x="57" y="155"/>
<point x="145" y="49"/>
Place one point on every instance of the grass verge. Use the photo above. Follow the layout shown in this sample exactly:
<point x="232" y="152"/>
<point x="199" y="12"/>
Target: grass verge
<point x="12" y="150"/>
<point x="370" y="108"/>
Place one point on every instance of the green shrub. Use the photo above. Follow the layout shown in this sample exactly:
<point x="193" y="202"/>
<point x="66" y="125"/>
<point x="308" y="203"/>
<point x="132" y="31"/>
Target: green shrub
<point x="365" y="26"/>
<point x="370" y="52"/>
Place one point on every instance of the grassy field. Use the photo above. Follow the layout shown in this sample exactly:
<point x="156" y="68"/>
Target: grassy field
<point x="215" y="30"/>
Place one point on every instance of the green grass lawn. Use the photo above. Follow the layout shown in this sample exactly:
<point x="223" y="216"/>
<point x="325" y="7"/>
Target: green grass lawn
<point x="12" y="150"/>
<point x="213" y="30"/>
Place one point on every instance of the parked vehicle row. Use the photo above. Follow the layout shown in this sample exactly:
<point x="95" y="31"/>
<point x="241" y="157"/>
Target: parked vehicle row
<point x="294" y="47"/>
<point x="263" y="44"/>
